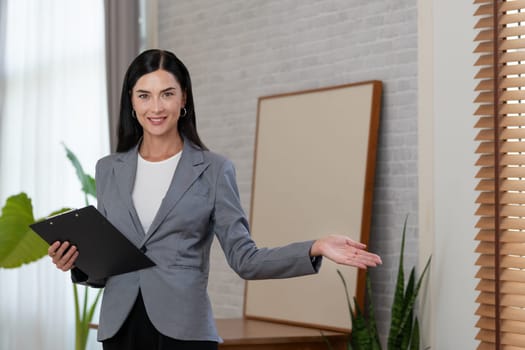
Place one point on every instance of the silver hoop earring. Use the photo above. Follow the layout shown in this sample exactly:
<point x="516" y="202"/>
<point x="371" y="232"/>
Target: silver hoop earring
<point x="133" y="114"/>
<point x="182" y="115"/>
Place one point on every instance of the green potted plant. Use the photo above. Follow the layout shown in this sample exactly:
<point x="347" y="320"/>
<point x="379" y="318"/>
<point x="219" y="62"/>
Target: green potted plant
<point x="404" y="326"/>
<point x="20" y="245"/>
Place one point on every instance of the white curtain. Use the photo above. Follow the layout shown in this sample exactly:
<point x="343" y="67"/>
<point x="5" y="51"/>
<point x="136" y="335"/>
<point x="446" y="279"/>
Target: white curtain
<point x="55" y="91"/>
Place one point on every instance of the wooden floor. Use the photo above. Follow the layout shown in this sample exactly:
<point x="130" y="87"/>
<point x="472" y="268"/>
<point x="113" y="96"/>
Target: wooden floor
<point x="244" y="334"/>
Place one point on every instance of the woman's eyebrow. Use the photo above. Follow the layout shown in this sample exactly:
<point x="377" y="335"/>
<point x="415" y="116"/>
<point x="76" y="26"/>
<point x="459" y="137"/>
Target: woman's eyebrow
<point x="168" y="89"/>
<point x="147" y="92"/>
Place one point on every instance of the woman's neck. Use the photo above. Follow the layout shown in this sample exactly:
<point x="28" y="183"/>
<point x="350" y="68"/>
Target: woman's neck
<point x="156" y="149"/>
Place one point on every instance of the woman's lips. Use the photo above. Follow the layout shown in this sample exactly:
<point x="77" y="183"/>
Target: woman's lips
<point x="156" y="120"/>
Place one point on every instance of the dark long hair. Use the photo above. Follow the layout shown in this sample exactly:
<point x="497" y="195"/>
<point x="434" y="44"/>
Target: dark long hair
<point x="129" y="129"/>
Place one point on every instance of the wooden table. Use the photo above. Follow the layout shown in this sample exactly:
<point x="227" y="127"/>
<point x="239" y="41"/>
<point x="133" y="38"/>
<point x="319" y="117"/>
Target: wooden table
<point x="245" y="334"/>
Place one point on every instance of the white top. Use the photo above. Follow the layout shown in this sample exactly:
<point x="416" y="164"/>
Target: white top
<point x="151" y="184"/>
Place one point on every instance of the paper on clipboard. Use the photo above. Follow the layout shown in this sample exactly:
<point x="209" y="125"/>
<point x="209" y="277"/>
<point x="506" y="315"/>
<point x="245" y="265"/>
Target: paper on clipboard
<point x="103" y="250"/>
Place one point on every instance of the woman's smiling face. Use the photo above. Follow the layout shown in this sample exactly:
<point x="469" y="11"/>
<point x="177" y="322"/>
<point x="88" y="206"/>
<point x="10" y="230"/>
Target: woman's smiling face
<point x="157" y="99"/>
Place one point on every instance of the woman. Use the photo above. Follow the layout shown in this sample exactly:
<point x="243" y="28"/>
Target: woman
<point x="169" y="195"/>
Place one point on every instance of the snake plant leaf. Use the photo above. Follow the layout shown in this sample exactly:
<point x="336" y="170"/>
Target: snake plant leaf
<point x="87" y="181"/>
<point x="361" y="339"/>
<point x="398" y="303"/>
<point x="348" y="303"/>
<point x="364" y="334"/>
<point x="405" y="329"/>
<point x="18" y="244"/>
<point x="414" y="341"/>
<point x="326" y="341"/>
<point x="412" y="300"/>
<point x="372" y="326"/>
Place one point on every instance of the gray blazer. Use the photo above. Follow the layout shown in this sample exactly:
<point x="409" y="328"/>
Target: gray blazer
<point x="202" y="201"/>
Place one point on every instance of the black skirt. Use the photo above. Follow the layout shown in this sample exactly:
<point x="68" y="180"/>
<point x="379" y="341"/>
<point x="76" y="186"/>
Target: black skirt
<point x="138" y="333"/>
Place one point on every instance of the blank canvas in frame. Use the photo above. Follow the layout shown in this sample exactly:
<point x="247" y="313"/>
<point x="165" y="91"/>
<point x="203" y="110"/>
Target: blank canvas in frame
<point x="313" y="175"/>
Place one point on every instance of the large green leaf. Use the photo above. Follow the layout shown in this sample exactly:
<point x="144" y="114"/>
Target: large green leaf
<point x="87" y="181"/>
<point x="18" y="243"/>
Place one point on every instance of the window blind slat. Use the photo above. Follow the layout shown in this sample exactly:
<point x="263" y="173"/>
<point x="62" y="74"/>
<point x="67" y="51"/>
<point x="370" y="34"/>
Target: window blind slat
<point x="512" y="5"/>
<point x="485" y="22"/>
<point x="485" y="147"/>
<point x="514" y="339"/>
<point x="485" y="85"/>
<point x="506" y="274"/>
<point x="507" y="287"/>
<point x="516" y="133"/>
<point x="488" y="109"/>
<point x="505" y="185"/>
<point x="485" y="73"/>
<point x="485" y="310"/>
<point x="487" y="222"/>
<point x="512" y="185"/>
<point x="488" y="298"/>
<point x="488" y="159"/>
<point x="484" y="10"/>
<point x="506" y="236"/>
<point x="505" y="121"/>
<point x="507" y="57"/>
<point x="512" y="83"/>
<point x="484" y="97"/>
<point x="506" y="134"/>
<point x="486" y="346"/>
<point x="486" y="335"/>
<point x="512" y="95"/>
<point x="484" y="60"/>
<point x="515" y="68"/>
<point x="485" y="110"/>
<point x="485" y="135"/>
<point x="483" y="47"/>
<point x="512" y="108"/>
<point x="506" y="262"/>
<point x="510" y="32"/>
<point x="485" y="185"/>
<point x="488" y="172"/>
<point x="510" y="44"/>
<point x="484" y="35"/>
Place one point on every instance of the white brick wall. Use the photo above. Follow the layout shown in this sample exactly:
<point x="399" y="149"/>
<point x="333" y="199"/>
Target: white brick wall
<point x="239" y="50"/>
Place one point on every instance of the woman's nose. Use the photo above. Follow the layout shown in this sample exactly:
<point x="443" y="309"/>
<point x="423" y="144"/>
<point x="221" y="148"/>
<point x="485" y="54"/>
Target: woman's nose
<point x="157" y="104"/>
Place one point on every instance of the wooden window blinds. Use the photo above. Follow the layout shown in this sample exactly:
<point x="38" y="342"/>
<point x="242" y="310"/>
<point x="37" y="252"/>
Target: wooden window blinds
<point x="501" y="123"/>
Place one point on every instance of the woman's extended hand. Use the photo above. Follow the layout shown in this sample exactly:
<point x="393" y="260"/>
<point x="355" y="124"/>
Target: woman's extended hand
<point x="64" y="255"/>
<point x="345" y="251"/>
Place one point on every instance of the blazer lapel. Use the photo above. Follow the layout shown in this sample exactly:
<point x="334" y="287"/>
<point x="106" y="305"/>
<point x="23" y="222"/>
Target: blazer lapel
<point x="125" y="171"/>
<point x="190" y="167"/>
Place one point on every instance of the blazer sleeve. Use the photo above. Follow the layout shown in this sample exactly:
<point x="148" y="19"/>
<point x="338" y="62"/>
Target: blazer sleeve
<point x="250" y="262"/>
<point x="77" y="275"/>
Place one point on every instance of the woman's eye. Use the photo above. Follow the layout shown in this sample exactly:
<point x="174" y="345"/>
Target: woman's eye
<point x="168" y="94"/>
<point x="143" y="96"/>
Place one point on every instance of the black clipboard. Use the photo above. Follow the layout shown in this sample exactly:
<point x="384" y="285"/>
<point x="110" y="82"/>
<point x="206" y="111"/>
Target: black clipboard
<point x="103" y="250"/>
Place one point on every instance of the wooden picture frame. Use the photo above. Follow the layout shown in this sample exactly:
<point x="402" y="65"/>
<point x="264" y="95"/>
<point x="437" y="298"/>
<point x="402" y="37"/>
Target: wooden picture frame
<point x="314" y="168"/>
